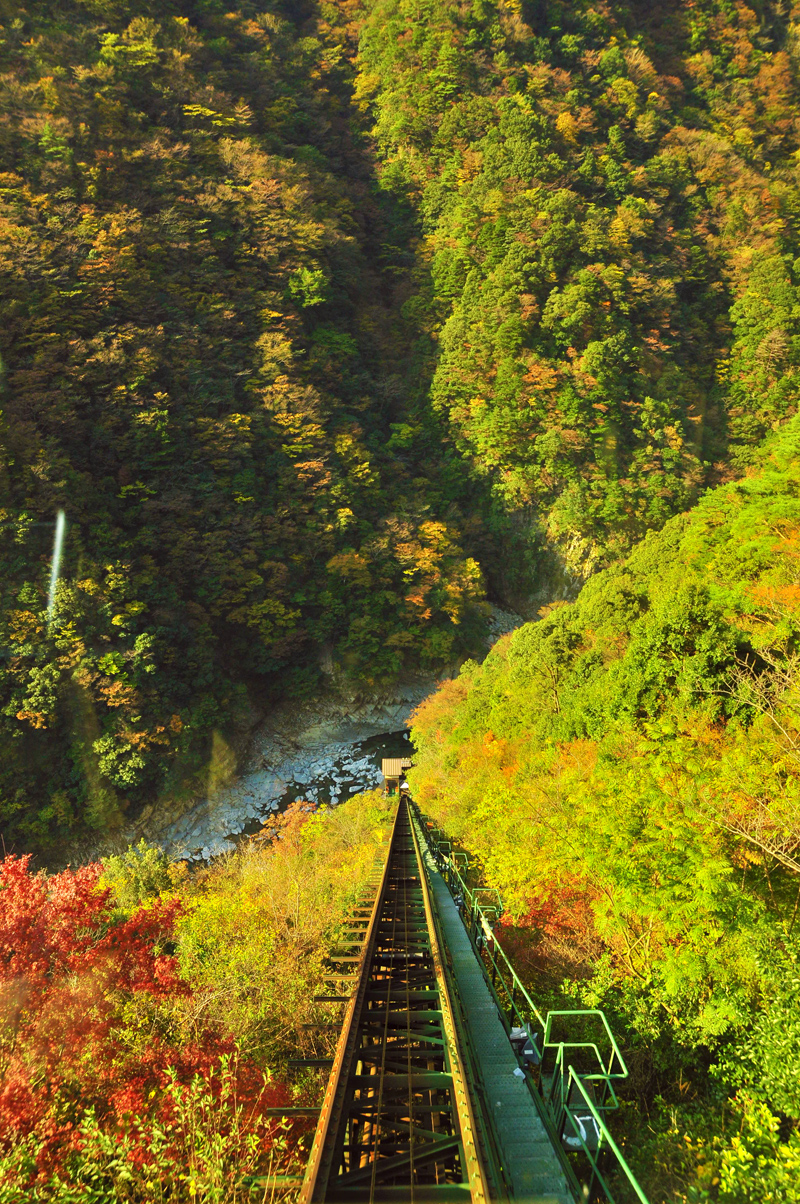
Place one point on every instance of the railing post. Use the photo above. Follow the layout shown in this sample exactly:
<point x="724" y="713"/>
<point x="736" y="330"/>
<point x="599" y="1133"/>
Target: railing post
<point x="553" y="1089"/>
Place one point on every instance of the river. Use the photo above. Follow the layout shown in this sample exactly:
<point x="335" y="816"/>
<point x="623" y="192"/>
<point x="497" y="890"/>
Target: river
<point x="322" y="750"/>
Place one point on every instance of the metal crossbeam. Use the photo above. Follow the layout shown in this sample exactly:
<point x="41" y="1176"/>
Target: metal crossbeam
<point x="397" y="1122"/>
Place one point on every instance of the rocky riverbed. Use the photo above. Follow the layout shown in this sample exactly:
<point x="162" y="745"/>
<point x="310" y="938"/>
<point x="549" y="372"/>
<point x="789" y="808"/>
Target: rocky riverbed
<point x="324" y="750"/>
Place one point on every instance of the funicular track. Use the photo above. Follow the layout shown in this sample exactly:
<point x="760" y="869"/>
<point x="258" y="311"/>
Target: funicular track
<point x="440" y="1088"/>
<point x="397" y="1122"/>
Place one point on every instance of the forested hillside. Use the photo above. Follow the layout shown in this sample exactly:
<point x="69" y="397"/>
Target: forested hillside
<point x="323" y="323"/>
<point x="608" y="197"/>
<point x="201" y="349"/>
<point x="626" y="771"/>
<point x="320" y="320"/>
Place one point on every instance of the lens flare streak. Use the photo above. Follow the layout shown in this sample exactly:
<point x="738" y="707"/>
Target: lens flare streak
<point x="55" y="568"/>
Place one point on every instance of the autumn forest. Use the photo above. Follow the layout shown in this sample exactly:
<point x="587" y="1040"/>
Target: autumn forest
<point x="327" y="325"/>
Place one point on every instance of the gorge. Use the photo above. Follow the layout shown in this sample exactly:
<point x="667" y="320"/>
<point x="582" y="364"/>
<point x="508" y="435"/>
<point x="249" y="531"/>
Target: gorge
<point x="349" y="336"/>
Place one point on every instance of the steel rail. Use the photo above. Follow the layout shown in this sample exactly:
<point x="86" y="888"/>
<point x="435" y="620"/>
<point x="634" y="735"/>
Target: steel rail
<point x="396" y="1123"/>
<point x="321" y="1154"/>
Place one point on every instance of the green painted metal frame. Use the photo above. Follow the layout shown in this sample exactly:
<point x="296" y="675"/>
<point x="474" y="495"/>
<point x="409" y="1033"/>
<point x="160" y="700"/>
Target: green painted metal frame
<point x="562" y="1075"/>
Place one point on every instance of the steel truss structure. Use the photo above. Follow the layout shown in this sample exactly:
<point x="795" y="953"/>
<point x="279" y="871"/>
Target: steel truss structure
<point x="397" y="1122"/>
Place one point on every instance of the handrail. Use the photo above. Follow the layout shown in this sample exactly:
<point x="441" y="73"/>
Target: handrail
<point x="604" y="1136"/>
<point x="553" y="1087"/>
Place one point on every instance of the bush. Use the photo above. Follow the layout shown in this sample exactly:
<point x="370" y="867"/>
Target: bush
<point x="142" y="872"/>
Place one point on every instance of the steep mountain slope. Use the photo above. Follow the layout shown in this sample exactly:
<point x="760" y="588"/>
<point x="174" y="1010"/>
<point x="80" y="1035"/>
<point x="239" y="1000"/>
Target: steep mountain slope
<point x="608" y="199"/>
<point x="626" y="770"/>
<point x="319" y="316"/>
<point x="200" y="366"/>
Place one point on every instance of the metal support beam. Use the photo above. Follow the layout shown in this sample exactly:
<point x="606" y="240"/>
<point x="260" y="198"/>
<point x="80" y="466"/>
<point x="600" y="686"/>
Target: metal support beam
<point x="396" y="1123"/>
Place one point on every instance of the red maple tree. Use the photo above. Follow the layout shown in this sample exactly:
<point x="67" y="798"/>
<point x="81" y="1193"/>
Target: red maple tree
<point x="68" y="968"/>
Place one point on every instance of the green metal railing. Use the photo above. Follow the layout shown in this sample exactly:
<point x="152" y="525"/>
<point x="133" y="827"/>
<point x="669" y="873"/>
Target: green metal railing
<point x="575" y="1077"/>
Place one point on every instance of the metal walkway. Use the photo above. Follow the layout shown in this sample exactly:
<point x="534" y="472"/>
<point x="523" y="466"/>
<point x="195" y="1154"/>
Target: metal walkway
<point x="531" y="1167"/>
<point x="425" y="1100"/>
